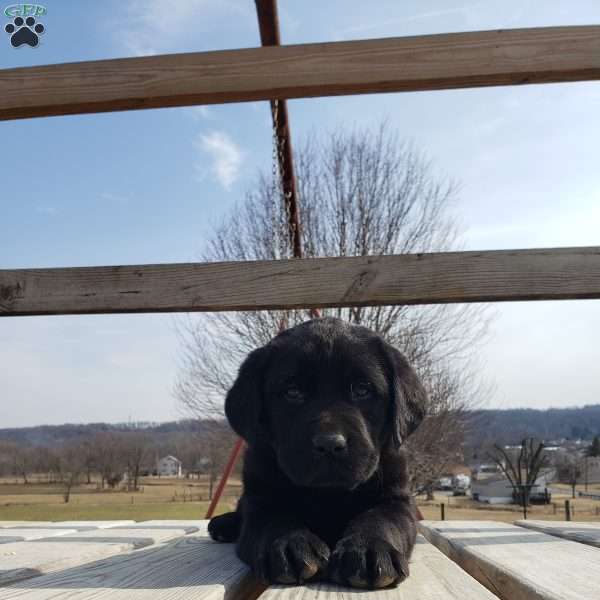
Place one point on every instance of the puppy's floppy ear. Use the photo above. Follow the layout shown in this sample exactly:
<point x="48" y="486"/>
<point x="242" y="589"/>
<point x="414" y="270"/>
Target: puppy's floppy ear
<point x="244" y="400"/>
<point x="409" y="398"/>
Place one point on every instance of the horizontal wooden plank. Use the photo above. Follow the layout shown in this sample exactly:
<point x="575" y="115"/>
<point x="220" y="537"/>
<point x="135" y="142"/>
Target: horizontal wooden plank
<point x="22" y="560"/>
<point x="517" y="563"/>
<point x="432" y="577"/>
<point x="19" y="534"/>
<point x="77" y="525"/>
<point x="550" y="274"/>
<point x="455" y="60"/>
<point x="190" y="568"/>
<point x="583" y="532"/>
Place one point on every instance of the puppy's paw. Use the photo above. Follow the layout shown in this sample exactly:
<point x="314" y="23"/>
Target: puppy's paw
<point x="225" y="528"/>
<point x="367" y="563"/>
<point x="293" y="558"/>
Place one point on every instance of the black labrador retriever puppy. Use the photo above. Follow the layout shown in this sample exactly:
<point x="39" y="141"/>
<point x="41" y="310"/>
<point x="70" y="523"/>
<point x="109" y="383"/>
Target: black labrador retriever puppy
<point x="324" y="408"/>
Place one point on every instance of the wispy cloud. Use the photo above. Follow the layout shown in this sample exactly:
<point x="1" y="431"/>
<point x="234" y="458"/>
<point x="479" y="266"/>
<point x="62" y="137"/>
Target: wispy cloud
<point x="225" y="156"/>
<point x="199" y="113"/>
<point x="421" y="16"/>
<point x="112" y="198"/>
<point x="46" y="209"/>
<point x="154" y="26"/>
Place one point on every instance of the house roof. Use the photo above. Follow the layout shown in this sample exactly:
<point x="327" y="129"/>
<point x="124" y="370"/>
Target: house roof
<point x="171" y="458"/>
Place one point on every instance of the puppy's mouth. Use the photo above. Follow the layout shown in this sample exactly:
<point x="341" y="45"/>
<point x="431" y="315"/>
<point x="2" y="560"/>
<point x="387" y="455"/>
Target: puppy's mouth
<point x="333" y="474"/>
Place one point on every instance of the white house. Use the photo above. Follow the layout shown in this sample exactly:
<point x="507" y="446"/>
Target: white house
<point x="169" y="466"/>
<point x="496" y="489"/>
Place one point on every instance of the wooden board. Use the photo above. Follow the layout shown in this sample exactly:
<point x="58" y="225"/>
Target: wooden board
<point x="201" y="525"/>
<point x="433" y="62"/>
<point x="517" y="563"/>
<point x="549" y="274"/>
<point x="19" y="534"/>
<point x="583" y="532"/>
<point x="77" y="525"/>
<point x="29" y="559"/>
<point x="190" y="568"/>
<point x="433" y="577"/>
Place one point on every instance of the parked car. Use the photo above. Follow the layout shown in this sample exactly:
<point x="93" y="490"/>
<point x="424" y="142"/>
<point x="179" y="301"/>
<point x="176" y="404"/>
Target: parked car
<point x="460" y="485"/>
<point x="444" y="484"/>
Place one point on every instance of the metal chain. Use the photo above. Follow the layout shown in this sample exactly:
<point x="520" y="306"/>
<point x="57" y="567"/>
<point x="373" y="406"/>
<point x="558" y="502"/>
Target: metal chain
<point x="281" y="218"/>
<point x="275" y="193"/>
<point x="285" y="236"/>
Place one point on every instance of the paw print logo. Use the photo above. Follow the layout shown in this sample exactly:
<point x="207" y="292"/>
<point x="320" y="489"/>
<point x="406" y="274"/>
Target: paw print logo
<point x="24" y="31"/>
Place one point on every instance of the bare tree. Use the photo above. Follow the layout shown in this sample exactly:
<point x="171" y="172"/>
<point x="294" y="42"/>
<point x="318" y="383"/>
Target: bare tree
<point x="135" y="449"/>
<point x="360" y="194"/>
<point x="108" y="457"/>
<point x="521" y="469"/>
<point x="72" y="467"/>
<point x="22" y="460"/>
<point x="570" y="469"/>
<point x="215" y="446"/>
<point x="89" y="460"/>
<point x="47" y="460"/>
<point x="438" y="442"/>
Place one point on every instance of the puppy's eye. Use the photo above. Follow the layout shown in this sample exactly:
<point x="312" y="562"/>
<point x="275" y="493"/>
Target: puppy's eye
<point x="361" y="390"/>
<point x="293" y="395"/>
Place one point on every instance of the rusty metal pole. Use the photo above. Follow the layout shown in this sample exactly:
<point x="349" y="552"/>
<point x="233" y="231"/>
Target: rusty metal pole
<point x="233" y="458"/>
<point x="268" y="23"/>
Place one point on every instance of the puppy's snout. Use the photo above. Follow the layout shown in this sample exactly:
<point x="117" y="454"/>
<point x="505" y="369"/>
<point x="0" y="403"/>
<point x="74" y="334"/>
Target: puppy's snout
<point x="330" y="443"/>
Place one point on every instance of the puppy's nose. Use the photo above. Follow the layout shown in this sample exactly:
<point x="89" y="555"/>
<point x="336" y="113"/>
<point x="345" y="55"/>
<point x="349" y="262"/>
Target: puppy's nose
<point x="329" y="443"/>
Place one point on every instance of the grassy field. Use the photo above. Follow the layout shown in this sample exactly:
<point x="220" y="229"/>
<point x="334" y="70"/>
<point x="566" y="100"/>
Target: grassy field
<point x="166" y="498"/>
<point x="463" y="508"/>
<point x="158" y="498"/>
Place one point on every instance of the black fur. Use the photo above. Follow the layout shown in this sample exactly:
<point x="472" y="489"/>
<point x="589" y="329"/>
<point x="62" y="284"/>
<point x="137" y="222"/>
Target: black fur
<point x="324" y="408"/>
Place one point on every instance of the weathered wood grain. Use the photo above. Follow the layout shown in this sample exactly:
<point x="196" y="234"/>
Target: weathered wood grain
<point x="583" y="532"/>
<point x="549" y="274"/>
<point x="190" y="568"/>
<point x="454" y="60"/>
<point x="19" y="534"/>
<point x="201" y="525"/>
<point x="433" y="577"/>
<point x="22" y="560"/>
<point x="517" y="563"/>
<point x="77" y="525"/>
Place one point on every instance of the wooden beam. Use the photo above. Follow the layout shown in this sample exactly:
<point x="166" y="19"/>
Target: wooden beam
<point x="550" y="274"/>
<point x="455" y="60"/>
<point x="583" y="532"/>
<point x="516" y="563"/>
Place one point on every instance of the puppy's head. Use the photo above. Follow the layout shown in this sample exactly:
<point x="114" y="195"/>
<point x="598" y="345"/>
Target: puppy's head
<point x="327" y="397"/>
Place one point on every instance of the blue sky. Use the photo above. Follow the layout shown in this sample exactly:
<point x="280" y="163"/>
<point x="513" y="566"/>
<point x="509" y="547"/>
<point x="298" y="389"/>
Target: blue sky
<point x="145" y="187"/>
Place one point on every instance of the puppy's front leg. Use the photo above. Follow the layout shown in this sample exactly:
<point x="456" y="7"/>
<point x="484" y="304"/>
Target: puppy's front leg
<point x="276" y="545"/>
<point x="376" y="546"/>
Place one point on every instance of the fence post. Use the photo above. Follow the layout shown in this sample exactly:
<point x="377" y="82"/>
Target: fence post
<point x="443" y="511"/>
<point x="554" y="508"/>
<point x="567" y="510"/>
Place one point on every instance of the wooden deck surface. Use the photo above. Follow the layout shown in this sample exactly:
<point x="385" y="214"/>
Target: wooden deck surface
<point x="175" y="560"/>
<point x="518" y="563"/>
<point x="585" y="532"/>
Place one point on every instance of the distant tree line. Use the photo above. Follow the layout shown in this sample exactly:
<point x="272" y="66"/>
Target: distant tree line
<point x="114" y="457"/>
<point x="512" y="425"/>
